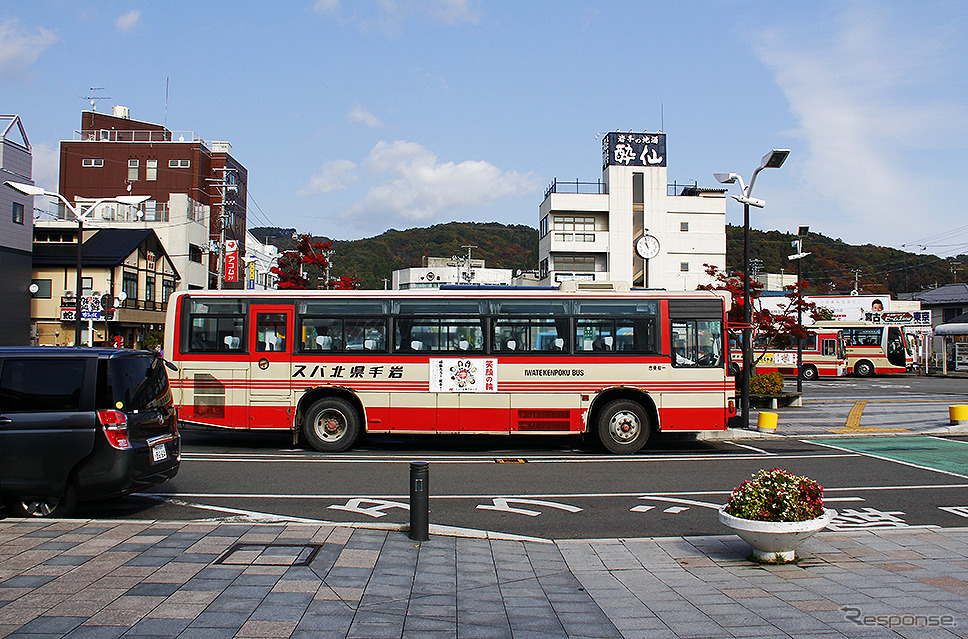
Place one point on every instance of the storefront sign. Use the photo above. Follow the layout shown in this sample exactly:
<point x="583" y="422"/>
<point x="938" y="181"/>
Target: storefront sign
<point x="634" y="149"/>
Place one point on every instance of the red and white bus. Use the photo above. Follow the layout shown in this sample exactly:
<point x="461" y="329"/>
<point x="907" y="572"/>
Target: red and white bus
<point x="873" y="349"/>
<point x="330" y="366"/>
<point x="823" y="355"/>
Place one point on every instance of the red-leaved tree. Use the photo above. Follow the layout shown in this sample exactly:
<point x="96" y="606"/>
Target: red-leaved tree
<point x="290" y="264"/>
<point x="771" y="329"/>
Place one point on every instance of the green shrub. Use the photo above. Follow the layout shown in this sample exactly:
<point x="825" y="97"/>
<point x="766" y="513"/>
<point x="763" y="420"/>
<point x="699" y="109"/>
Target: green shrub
<point x="768" y="384"/>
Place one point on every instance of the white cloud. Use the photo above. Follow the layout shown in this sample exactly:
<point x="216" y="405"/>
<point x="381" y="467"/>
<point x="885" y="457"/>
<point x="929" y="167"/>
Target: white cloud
<point x="326" y="6"/>
<point x="128" y="21"/>
<point x="420" y="188"/>
<point x="869" y="115"/>
<point x="20" y="49"/>
<point x="335" y="175"/>
<point x="363" y="116"/>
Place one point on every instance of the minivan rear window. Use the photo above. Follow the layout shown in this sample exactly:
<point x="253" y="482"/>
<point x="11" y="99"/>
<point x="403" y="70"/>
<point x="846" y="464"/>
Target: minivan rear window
<point x="41" y="384"/>
<point x="136" y="383"/>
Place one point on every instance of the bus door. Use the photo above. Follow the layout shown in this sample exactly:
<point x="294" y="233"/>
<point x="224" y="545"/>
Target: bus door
<point x="270" y="374"/>
<point x="897" y="352"/>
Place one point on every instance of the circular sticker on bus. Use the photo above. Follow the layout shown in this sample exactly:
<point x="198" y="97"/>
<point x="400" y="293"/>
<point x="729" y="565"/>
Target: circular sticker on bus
<point x="263" y="363"/>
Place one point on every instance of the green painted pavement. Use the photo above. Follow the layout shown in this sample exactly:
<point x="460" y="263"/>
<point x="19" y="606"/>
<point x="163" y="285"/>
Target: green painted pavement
<point x="930" y="452"/>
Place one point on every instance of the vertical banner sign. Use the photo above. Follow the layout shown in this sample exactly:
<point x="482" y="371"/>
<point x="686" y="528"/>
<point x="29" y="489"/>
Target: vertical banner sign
<point x="250" y="277"/>
<point x="231" y="261"/>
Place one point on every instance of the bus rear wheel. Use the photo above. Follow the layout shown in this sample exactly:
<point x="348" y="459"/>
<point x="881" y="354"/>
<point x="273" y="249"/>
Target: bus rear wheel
<point x="623" y="427"/>
<point x="864" y="368"/>
<point x="331" y="425"/>
<point x="808" y="372"/>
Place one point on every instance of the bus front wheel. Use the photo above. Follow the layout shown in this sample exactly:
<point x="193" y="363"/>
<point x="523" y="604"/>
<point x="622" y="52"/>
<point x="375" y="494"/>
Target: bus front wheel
<point x="331" y="425"/>
<point x="623" y="427"/>
<point x="863" y="368"/>
<point x="808" y="372"/>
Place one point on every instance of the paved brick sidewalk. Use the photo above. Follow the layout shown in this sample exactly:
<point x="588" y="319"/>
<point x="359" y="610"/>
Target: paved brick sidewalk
<point x="108" y="579"/>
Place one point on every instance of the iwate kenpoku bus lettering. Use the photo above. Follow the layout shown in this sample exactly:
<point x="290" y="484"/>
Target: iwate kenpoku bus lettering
<point x="331" y="366"/>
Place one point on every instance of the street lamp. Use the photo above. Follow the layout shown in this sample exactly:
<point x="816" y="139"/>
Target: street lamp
<point x="31" y="190"/>
<point x="772" y="160"/>
<point x="798" y="256"/>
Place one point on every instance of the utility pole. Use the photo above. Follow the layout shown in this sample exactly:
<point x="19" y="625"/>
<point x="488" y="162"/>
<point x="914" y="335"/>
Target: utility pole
<point x="222" y="187"/>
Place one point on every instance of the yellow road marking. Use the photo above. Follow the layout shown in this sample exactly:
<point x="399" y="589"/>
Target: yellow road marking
<point x="853" y="423"/>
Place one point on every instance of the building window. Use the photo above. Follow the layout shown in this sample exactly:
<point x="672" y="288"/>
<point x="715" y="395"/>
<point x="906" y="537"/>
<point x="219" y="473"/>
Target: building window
<point x="167" y="288"/>
<point x="194" y="253"/>
<point x="179" y="164"/>
<point x="129" y="284"/>
<point x="151" y="170"/>
<point x="150" y="288"/>
<point x="575" y="263"/>
<point x="683" y="226"/>
<point x="133" y="170"/>
<point x="43" y="289"/>
<point x="575" y="223"/>
<point x="92" y="162"/>
<point x="543" y="268"/>
<point x="18" y="213"/>
<point x="684" y="267"/>
<point x="575" y="237"/>
<point x="949" y="314"/>
<point x="87" y="286"/>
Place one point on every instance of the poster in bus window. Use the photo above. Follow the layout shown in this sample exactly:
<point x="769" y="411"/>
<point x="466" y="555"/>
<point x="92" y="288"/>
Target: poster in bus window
<point x="463" y="375"/>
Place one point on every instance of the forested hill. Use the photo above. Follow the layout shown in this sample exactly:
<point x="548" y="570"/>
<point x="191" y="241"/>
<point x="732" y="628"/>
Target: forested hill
<point x="375" y="258"/>
<point x="831" y="267"/>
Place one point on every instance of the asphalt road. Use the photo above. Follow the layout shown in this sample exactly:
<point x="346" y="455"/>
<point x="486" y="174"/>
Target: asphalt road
<point x="559" y="488"/>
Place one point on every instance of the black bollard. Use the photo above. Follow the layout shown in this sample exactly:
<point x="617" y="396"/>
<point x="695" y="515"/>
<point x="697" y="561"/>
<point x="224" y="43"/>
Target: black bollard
<point x="419" y="501"/>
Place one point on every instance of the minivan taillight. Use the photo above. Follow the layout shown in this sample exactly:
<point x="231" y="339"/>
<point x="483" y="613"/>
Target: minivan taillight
<point x="115" y="426"/>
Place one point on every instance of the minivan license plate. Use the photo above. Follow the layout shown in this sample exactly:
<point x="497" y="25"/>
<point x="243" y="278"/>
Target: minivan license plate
<point x="158" y="453"/>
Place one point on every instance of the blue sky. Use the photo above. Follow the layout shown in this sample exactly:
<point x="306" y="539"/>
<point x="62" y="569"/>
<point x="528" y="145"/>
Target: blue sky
<point x="353" y="117"/>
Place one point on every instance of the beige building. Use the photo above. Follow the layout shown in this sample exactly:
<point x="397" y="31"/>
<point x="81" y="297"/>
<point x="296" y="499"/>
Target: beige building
<point x="128" y="269"/>
<point x="632" y="226"/>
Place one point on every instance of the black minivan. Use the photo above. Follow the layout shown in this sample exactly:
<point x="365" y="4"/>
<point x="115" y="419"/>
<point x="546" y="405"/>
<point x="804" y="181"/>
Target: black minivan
<point x="82" y="424"/>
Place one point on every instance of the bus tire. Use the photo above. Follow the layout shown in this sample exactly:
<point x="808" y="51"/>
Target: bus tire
<point x="623" y="427"/>
<point x="808" y="372"/>
<point x="331" y="425"/>
<point x="863" y="368"/>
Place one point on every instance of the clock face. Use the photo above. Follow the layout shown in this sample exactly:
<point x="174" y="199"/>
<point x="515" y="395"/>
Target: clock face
<point x="647" y="247"/>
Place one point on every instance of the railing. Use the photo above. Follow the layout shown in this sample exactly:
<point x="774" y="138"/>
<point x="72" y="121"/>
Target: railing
<point x="150" y="211"/>
<point x="592" y="188"/>
<point x="682" y="189"/>
<point x="119" y="135"/>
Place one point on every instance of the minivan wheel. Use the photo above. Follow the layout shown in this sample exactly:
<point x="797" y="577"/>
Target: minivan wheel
<point x="31" y="506"/>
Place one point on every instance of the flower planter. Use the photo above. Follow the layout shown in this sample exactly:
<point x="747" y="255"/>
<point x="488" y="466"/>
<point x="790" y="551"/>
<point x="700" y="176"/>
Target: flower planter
<point x="775" y="541"/>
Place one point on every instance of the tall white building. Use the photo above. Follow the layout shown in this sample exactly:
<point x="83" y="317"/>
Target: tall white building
<point x="632" y="226"/>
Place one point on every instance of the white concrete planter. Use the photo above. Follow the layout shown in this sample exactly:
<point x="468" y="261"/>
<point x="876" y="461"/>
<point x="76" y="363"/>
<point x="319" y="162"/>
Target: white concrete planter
<point x="775" y="541"/>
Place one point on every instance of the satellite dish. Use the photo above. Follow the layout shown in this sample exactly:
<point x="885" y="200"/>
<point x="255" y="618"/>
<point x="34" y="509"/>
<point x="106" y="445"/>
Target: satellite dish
<point x="430" y="277"/>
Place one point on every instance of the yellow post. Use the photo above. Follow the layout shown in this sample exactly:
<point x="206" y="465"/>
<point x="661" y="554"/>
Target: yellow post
<point x="958" y="414"/>
<point x="766" y="422"/>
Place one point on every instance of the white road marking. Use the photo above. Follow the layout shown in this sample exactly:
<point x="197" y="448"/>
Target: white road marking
<point x="378" y="508"/>
<point x="748" y="447"/>
<point x="502" y="504"/>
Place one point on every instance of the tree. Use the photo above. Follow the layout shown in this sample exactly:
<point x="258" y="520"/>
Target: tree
<point x="771" y="329"/>
<point x="290" y="263"/>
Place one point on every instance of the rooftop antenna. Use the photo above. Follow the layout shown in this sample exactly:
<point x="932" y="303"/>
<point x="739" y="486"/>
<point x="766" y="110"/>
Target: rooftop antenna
<point x="166" y="102"/>
<point x="661" y="117"/>
<point x="94" y="97"/>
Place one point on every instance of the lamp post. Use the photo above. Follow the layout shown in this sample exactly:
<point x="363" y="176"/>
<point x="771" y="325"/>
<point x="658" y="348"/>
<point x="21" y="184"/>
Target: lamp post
<point x="798" y="243"/>
<point x="31" y="190"/>
<point x="772" y="160"/>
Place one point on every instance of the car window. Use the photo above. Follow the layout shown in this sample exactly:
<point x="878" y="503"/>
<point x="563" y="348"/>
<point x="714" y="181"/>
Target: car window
<point x="41" y="384"/>
<point x="137" y="383"/>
